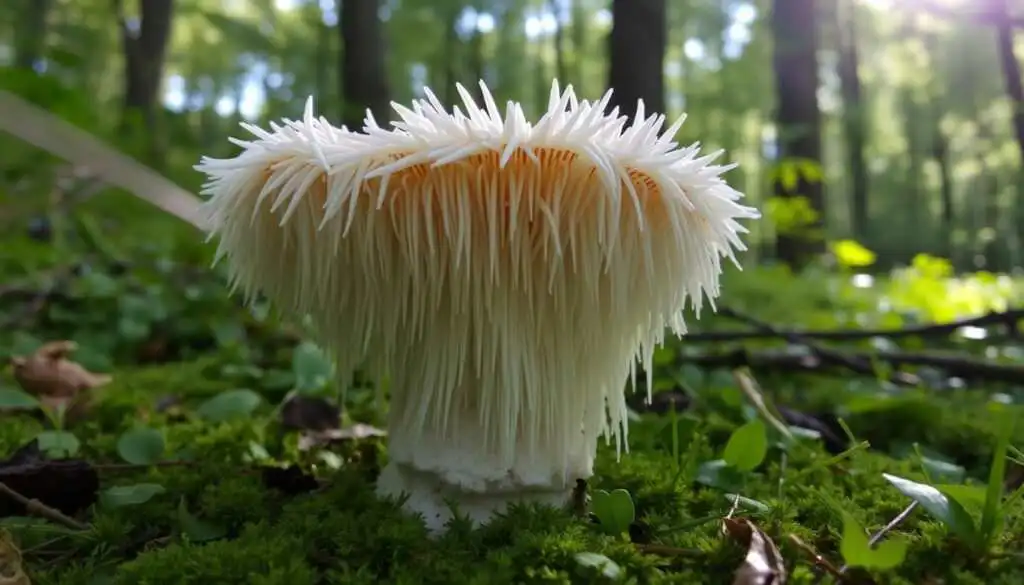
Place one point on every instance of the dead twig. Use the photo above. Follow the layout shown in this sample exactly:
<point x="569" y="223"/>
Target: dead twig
<point x="42" y="510"/>
<point x="1007" y="319"/>
<point x="816" y="558"/>
<point x="668" y="551"/>
<point x="962" y="367"/>
<point x="852" y="362"/>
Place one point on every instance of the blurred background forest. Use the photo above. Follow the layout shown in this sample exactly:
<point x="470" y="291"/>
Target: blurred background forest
<point x="895" y="123"/>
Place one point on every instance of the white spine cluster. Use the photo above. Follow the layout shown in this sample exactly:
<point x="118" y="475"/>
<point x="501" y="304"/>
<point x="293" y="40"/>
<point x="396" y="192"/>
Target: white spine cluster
<point x="505" y="277"/>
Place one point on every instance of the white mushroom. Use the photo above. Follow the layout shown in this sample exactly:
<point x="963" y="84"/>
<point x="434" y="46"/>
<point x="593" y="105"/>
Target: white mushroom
<point x="503" y="277"/>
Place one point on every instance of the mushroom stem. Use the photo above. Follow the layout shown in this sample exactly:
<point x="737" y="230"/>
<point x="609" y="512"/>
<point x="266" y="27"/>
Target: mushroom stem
<point x="438" y="471"/>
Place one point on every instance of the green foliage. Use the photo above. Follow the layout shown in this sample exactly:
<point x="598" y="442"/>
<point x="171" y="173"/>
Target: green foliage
<point x="230" y="405"/>
<point x="614" y="510"/>
<point x="857" y="552"/>
<point x="791" y="215"/>
<point x="130" y="495"/>
<point x="850" y="254"/>
<point x="141" y="446"/>
<point x="58" y="444"/>
<point x="747" y="446"/>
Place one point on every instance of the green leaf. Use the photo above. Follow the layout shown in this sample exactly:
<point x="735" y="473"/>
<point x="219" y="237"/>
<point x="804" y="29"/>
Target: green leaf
<point x="141" y="446"/>
<point x="58" y="444"/>
<point x="614" y="510"/>
<point x="789" y="176"/>
<point x="944" y="509"/>
<point x="991" y="516"/>
<point x="11" y="398"/>
<point x="719" y="474"/>
<point x="747" y="446"/>
<point x="967" y="495"/>
<point x="943" y="471"/>
<point x="131" y="329"/>
<point x="313" y="369"/>
<point x="851" y="254"/>
<point x="857" y="551"/>
<point x="195" y="529"/>
<point x="233" y="404"/>
<point x="606" y="566"/>
<point x="130" y="495"/>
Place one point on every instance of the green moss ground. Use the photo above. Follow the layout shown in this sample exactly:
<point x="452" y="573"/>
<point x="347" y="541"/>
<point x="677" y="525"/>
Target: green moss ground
<point x="344" y="534"/>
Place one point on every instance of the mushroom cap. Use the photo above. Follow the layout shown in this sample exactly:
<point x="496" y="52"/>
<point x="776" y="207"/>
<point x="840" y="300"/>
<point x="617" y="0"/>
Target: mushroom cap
<point x="484" y="263"/>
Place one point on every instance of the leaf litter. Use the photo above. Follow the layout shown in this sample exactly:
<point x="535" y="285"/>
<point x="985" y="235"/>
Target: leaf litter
<point x="60" y="385"/>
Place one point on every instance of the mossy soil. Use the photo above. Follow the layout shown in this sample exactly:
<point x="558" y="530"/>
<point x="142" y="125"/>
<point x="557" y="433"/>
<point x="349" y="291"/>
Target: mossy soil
<point x="343" y="533"/>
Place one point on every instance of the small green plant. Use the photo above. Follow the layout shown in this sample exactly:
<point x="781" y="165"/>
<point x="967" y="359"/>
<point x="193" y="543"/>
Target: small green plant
<point x="614" y="510"/>
<point x="949" y="503"/>
<point x="56" y="442"/>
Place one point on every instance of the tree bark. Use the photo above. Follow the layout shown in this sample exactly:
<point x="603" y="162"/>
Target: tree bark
<point x="30" y="33"/>
<point x="854" y="117"/>
<point x="1011" y="69"/>
<point x="798" y="120"/>
<point x="145" y="48"/>
<point x="364" y="80"/>
<point x="452" y="51"/>
<point x="637" y="55"/>
<point x="561" y="69"/>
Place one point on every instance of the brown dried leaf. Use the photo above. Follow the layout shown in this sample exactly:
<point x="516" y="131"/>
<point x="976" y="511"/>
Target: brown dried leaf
<point x="55" y="380"/>
<point x="11" y="571"/>
<point x="763" y="564"/>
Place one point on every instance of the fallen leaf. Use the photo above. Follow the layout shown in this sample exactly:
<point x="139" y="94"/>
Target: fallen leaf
<point x="11" y="571"/>
<point x="311" y="439"/>
<point x="56" y="381"/>
<point x="66" y="485"/>
<point x="763" y="564"/>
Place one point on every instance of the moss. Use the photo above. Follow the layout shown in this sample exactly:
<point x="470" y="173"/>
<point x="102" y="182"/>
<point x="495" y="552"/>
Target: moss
<point x="345" y="534"/>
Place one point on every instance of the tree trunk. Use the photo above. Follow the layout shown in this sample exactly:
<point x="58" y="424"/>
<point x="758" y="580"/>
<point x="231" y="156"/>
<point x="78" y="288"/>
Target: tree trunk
<point x="364" y="80"/>
<point x="578" y="14"/>
<point x="145" y="47"/>
<point x="854" y="117"/>
<point x="452" y="69"/>
<point x="940" y="153"/>
<point x="30" y="33"/>
<point x="561" y="69"/>
<point x="798" y="120"/>
<point x="637" y="55"/>
<point x="476" y="66"/>
<point x="1011" y="69"/>
<point x="1014" y="89"/>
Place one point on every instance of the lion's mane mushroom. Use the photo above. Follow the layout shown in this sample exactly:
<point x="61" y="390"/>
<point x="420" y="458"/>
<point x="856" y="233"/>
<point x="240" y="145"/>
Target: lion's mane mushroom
<point x="505" y="277"/>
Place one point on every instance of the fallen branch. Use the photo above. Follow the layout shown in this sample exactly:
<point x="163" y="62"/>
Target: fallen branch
<point x="42" y="510"/>
<point x="853" y="362"/>
<point x="50" y="133"/>
<point x="966" y="368"/>
<point x="1008" y="319"/>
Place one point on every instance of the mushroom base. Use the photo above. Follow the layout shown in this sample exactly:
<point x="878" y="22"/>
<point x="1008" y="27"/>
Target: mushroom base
<point x="430" y="496"/>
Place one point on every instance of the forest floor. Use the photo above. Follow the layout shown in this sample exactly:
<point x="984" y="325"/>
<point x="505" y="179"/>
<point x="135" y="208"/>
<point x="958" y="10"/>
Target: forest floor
<point x="177" y="469"/>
